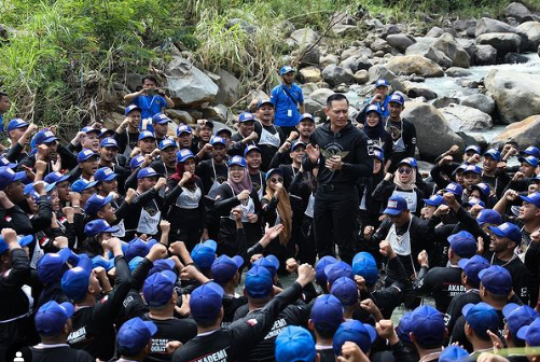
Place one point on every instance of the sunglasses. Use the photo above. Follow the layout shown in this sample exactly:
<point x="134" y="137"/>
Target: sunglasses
<point x="276" y="180"/>
<point x="405" y="170"/>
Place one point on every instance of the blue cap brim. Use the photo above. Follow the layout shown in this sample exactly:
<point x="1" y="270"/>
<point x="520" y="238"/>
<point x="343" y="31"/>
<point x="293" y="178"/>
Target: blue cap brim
<point x="509" y="308"/>
<point x="392" y="212"/>
<point x="49" y="140"/>
<point x="497" y="231"/>
<point x="463" y="262"/>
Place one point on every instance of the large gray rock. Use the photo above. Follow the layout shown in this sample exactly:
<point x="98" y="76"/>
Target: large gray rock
<point x="329" y="59"/>
<point x="517" y="11"/>
<point x="448" y="45"/>
<point x="435" y="32"/>
<point x="462" y="118"/>
<point x="380" y="45"/>
<point x="429" y="52"/>
<point x="356" y="63"/>
<point x="305" y="36"/>
<point x="504" y="42"/>
<point x="310" y="74"/>
<point x="378" y="71"/>
<point x="230" y="89"/>
<point x="517" y="94"/>
<point x="457" y="72"/>
<point x="481" y="102"/>
<point x="415" y="64"/>
<point x="468" y="45"/>
<point x="307" y="55"/>
<point x="346" y="30"/>
<point x="415" y="90"/>
<point x="400" y="41"/>
<point x="487" y="25"/>
<point x="434" y="135"/>
<point x="444" y="102"/>
<point x="335" y="75"/>
<point x="188" y="85"/>
<point x="317" y="100"/>
<point x="531" y="29"/>
<point x="526" y="133"/>
<point x="485" y="55"/>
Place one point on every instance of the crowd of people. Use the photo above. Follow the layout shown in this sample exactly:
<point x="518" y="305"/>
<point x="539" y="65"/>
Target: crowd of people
<point x="135" y="245"/>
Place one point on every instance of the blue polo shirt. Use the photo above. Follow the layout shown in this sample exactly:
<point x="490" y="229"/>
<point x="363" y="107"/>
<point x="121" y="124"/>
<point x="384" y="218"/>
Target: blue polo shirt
<point x="286" y="108"/>
<point x="383" y="106"/>
<point x="150" y="105"/>
<point x="1" y="124"/>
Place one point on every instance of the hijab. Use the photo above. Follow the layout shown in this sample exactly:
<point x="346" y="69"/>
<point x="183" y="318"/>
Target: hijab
<point x="411" y="185"/>
<point x="244" y="184"/>
<point x="374" y="133"/>
<point x="177" y="176"/>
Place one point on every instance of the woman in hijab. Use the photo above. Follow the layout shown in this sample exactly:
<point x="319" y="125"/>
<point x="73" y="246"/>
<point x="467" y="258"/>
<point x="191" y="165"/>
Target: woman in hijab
<point x="237" y="192"/>
<point x="374" y="129"/>
<point x="187" y="212"/>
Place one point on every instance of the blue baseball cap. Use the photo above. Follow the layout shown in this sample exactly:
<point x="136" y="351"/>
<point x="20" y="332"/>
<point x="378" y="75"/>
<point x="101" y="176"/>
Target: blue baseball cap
<point x="259" y="282"/>
<point x="378" y="154"/>
<point x="51" y="266"/>
<point x="105" y="174"/>
<point x="474" y="169"/>
<point x="160" y="118"/>
<point x="295" y="344"/>
<point x="5" y="162"/>
<point x="507" y="230"/>
<point x="381" y="83"/>
<point x="22" y="240"/>
<point x="460" y="168"/>
<point x="346" y="290"/>
<point x="147" y="172"/>
<point x="218" y="141"/>
<point x="56" y="177"/>
<point x="45" y="136"/>
<point x="225" y="268"/>
<point x="532" y="151"/>
<point x="88" y="129"/>
<point x="404" y="327"/>
<point x="531" y="333"/>
<point x="397" y="98"/>
<point x="166" y="143"/>
<point x="104" y="132"/>
<point x="183" y="128"/>
<point x="364" y="264"/>
<point x="134" y="263"/>
<point x="454" y="188"/>
<point x="238" y="161"/>
<point x="136" y="161"/>
<point x="474" y="148"/>
<point x="463" y="244"/>
<point x="204" y="254"/>
<point x="75" y="281"/>
<point x="493" y="153"/>
<point x="320" y="275"/>
<point x="263" y="102"/>
<point x="95" y="203"/>
<point x="496" y="280"/>
<point x="16" y="123"/>
<point x="428" y="326"/>
<point x="246" y="117"/>
<point x="434" y="200"/>
<point x="297" y="143"/>
<point x="409" y="161"/>
<point x="531" y="160"/>
<point x="85" y="155"/>
<point x="131" y="108"/>
<point x="250" y="148"/>
<point x="489" y="216"/>
<point x="374" y="108"/>
<point x="99" y="261"/>
<point x="270" y="262"/>
<point x="454" y="354"/>
<point x="206" y="302"/>
<point x="396" y="205"/>
<point x="272" y="171"/>
<point x="158" y="288"/>
<point x="52" y="317"/>
<point x="338" y="270"/>
<point x="108" y="143"/>
<point x="8" y="176"/>
<point x="146" y="134"/>
<point x="482" y="318"/>
<point x="306" y="116"/>
<point x="483" y="188"/>
<point x="134" y="335"/>
<point x="533" y="198"/>
<point x="138" y="247"/>
<point x="184" y="155"/>
<point x="472" y="267"/>
<point x="163" y="265"/>
<point x="518" y="316"/>
<point x="223" y="129"/>
<point x="354" y="331"/>
<point x="99" y="226"/>
<point x="286" y="69"/>
<point x="81" y="184"/>
<point x="29" y="190"/>
<point x="327" y="313"/>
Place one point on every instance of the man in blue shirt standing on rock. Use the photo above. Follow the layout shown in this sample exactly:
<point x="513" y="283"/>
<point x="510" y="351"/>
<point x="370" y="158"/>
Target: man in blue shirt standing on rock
<point x="288" y="101"/>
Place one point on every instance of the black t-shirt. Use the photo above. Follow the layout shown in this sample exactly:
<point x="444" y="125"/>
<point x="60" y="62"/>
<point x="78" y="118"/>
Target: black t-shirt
<point x="453" y="312"/>
<point x="443" y="283"/>
<point x="205" y="170"/>
<point x="326" y="353"/>
<point x="268" y="151"/>
<point x="230" y="305"/>
<point x="61" y="353"/>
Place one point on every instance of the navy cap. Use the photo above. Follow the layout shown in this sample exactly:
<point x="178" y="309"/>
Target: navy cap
<point x="454" y="188"/>
<point x="354" y="331"/>
<point x="206" y="302"/>
<point x="16" y="123"/>
<point x="146" y="134"/>
<point x="463" y="244"/>
<point x="104" y="132"/>
<point x="454" y="354"/>
<point x="474" y="169"/>
<point x="8" y="176"/>
<point x="81" y="184"/>
<point x="482" y="318"/>
<point x="296" y="144"/>
<point x="474" y="148"/>
<point x="131" y="108"/>
<point x="428" y="327"/>
<point x="237" y="161"/>
<point x="378" y="154"/>
<point x="158" y="288"/>
<point x="183" y="155"/>
<point x="263" y="102"/>
<point x="134" y="335"/>
<point x="89" y="129"/>
<point x="259" y="282"/>
<point x="531" y="160"/>
<point x="56" y="177"/>
<point x="52" y="317"/>
<point x="306" y="116"/>
<point x="483" y="188"/>
<point x="250" y="148"/>
<point x="320" y="275"/>
<point x="105" y="174"/>
<point x="224" y="129"/>
<point x="365" y="265"/>
<point x="532" y="151"/>
<point x="85" y="155"/>
<point x="163" y="265"/>
<point x="338" y="270"/>
<point x="22" y="240"/>
<point x="108" y="143"/>
<point x="489" y="216"/>
<point x="270" y="262"/>
<point x="95" y="203"/>
<point x="327" y="313"/>
<point x="166" y="143"/>
<point x="246" y="117"/>
<point x="218" y="141"/>
<point x="147" y="172"/>
<point x="507" y="230"/>
<point x="472" y="267"/>
<point x="99" y="226"/>
<point x="381" y="83"/>
<point x="533" y="198"/>
<point x="396" y="205"/>
<point x="75" y="281"/>
<point x="45" y="136"/>
<point x="286" y="69"/>
<point x="434" y="200"/>
<point x="493" y="153"/>
<point x="136" y="161"/>
<point x="496" y="280"/>
<point x="460" y="168"/>
<point x="346" y="290"/>
<point x="138" y="247"/>
<point x="518" y="316"/>
<point x="295" y="344"/>
<point x="51" y="265"/>
<point x="404" y="327"/>
<point x="183" y="128"/>
<point x="272" y="171"/>
<point x="225" y="268"/>
<point x="374" y="108"/>
<point x="397" y="98"/>
<point x="409" y="161"/>
<point x="160" y="118"/>
<point x="204" y="254"/>
<point x="531" y="333"/>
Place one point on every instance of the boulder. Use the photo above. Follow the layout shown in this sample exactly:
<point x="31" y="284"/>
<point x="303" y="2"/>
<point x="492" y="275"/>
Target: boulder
<point x="307" y="55"/>
<point x="188" y="85"/>
<point x="415" y="64"/>
<point x="400" y="41"/>
<point x="513" y="58"/>
<point x="310" y="74"/>
<point x="361" y="77"/>
<point x="329" y="59"/>
<point x="335" y="75"/>
<point x="468" y="45"/>
<point x="346" y="30"/>
<point x="531" y="29"/>
<point x="180" y="116"/>
<point x="415" y="90"/>
<point x="526" y="133"/>
<point x="434" y="135"/>
<point x="230" y="89"/>
<point x="218" y="112"/>
<point x="517" y="94"/>
<point x="462" y="118"/>
<point x="308" y="88"/>
<point x="503" y="42"/>
<point x="380" y="45"/>
<point x="133" y="81"/>
<point x="448" y="45"/>
<point x="427" y="51"/>
<point x="317" y="100"/>
<point x="444" y="102"/>
<point x="481" y="102"/>
<point x="485" y="55"/>
<point x="378" y="71"/>
<point x="305" y="36"/>
<point x="356" y="63"/>
<point x="516" y="10"/>
<point x="457" y="72"/>
<point x="435" y="32"/>
<point x="464" y="24"/>
<point x="487" y="25"/>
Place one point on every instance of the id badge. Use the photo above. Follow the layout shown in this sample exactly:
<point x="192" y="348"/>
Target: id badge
<point x="289" y="113"/>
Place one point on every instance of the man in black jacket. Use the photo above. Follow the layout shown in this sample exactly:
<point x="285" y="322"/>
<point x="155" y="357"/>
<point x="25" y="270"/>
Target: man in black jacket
<point x="340" y="151"/>
<point x="402" y="132"/>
